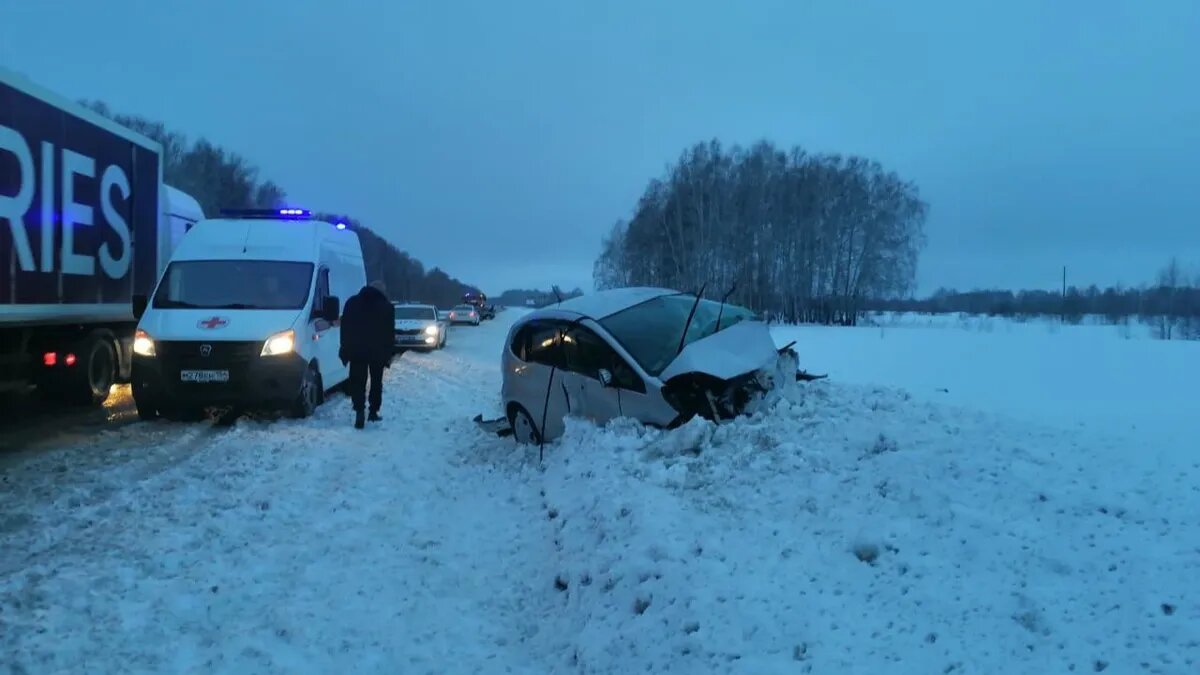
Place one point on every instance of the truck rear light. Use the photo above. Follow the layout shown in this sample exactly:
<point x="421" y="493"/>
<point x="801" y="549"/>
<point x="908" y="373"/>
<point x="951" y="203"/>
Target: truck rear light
<point x="50" y="359"/>
<point x="70" y="360"/>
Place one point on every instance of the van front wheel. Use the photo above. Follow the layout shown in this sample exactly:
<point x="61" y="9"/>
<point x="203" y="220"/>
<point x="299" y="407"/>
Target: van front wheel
<point x="309" y="396"/>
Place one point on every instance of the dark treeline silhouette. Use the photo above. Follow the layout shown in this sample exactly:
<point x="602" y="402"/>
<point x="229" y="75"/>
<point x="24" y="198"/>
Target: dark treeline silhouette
<point x="220" y="179"/>
<point x="405" y="277"/>
<point x="805" y="237"/>
<point x="1171" y="305"/>
<point x="528" y="297"/>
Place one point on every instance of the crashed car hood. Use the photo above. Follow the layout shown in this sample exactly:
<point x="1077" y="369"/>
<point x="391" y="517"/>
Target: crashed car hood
<point x="742" y="348"/>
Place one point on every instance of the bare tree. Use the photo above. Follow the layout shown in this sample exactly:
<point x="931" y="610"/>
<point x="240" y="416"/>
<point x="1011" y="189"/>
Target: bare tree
<point x="807" y="237"/>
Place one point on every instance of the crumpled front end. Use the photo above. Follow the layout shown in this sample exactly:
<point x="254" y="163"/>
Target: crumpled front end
<point x="717" y="399"/>
<point x="728" y="373"/>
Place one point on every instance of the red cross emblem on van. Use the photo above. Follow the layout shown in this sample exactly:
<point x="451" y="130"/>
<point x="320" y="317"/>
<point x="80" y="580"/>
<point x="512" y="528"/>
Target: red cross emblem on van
<point x="214" y="322"/>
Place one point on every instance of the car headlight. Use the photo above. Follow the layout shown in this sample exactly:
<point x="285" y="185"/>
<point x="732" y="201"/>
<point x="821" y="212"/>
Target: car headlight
<point x="431" y="330"/>
<point x="143" y="344"/>
<point x="279" y="343"/>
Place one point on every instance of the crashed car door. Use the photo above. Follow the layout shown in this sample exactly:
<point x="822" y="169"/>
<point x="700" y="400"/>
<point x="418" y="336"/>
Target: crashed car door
<point x="542" y="383"/>
<point x="625" y="393"/>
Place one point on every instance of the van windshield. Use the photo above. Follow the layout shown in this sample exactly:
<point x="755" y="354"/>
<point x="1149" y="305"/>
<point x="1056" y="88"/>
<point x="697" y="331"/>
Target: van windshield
<point x="234" y="284"/>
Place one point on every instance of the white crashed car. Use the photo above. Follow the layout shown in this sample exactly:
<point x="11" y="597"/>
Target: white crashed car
<point x="625" y="353"/>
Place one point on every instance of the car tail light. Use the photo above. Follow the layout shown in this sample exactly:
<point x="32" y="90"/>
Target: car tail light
<point x="50" y="359"/>
<point x="70" y="360"/>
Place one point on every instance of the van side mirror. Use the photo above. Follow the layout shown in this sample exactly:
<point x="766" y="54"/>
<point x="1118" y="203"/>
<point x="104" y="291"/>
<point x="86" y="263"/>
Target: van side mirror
<point x="331" y="309"/>
<point x="139" y="306"/>
<point x="606" y="378"/>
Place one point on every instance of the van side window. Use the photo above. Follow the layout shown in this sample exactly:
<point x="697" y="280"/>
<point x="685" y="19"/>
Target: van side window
<point x="587" y="353"/>
<point x="322" y="292"/>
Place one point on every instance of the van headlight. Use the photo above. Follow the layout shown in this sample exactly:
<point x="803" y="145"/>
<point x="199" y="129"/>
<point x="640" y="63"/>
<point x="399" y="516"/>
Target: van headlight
<point x="279" y="343"/>
<point x="431" y="330"/>
<point x="143" y="344"/>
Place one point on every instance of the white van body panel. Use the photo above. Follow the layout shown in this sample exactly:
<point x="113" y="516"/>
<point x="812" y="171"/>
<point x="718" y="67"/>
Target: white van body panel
<point x="338" y="252"/>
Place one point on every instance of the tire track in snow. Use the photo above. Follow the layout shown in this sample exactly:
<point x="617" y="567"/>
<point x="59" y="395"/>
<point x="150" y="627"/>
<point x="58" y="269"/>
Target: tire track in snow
<point x="302" y="545"/>
<point x="53" y="499"/>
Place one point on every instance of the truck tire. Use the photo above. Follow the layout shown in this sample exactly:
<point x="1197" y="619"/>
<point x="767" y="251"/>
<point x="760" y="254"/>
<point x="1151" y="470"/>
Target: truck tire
<point x="96" y="371"/>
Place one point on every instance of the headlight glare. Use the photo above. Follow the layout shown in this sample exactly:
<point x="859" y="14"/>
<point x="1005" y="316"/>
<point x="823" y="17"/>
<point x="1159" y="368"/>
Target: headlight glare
<point x="143" y="344"/>
<point x="280" y="343"/>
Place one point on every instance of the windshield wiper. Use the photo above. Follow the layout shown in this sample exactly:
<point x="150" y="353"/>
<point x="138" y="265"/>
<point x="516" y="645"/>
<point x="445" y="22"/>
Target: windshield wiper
<point x="691" y="315"/>
<point x="722" y="309"/>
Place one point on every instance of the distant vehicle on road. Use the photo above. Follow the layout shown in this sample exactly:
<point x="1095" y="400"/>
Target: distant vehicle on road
<point x="480" y="302"/>
<point x="419" y="327"/>
<point x="466" y="314"/>
<point x="246" y="316"/>
<point x="653" y="354"/>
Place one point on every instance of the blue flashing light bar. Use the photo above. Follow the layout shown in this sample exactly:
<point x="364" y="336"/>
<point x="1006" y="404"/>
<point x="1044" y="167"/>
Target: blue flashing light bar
<point x="340" y="226"/>
<point x="267" y="213"/>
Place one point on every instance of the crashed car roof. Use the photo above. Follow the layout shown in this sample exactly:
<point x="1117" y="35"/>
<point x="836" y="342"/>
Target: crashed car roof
<point x="603" y="304"/>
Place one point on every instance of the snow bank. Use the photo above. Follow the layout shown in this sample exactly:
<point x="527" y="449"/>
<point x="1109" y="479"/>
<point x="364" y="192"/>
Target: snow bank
<point x="853" y="530"/>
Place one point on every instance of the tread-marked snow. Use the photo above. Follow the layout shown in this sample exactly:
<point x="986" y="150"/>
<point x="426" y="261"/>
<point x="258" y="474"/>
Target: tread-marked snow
<point x="848" y="529"/>
<point x="282" y="547"/>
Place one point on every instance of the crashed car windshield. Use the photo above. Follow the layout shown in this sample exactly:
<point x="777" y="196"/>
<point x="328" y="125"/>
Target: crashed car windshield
<point x="650" y="331"/>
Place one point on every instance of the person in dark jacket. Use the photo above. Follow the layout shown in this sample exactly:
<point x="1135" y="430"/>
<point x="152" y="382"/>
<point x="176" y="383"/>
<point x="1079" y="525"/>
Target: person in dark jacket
<point x="367" y="346"/>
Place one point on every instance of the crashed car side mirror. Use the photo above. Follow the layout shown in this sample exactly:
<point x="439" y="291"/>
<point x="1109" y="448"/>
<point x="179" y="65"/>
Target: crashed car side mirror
<point x="606" y="378"/>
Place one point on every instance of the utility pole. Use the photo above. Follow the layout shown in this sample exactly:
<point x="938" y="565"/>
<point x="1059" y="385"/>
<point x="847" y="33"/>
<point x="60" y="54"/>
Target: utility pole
<point x="1064" y="295"/>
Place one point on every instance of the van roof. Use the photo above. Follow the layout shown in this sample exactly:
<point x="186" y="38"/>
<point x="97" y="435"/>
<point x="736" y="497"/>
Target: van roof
<point x="264" y="239"/>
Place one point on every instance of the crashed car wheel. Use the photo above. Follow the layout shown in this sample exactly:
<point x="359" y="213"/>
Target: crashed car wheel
<point x="524" y="430"/>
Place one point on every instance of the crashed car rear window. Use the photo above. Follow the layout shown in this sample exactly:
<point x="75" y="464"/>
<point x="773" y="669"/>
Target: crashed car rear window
<point x="650" y="331"/>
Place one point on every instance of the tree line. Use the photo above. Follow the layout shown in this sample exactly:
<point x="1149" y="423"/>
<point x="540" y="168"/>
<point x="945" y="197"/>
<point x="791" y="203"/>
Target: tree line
<point x="1170" y="305"/>
<point x="530" y="297"/>
<point x="221" y="179"/>
<point x="806" y="237"/>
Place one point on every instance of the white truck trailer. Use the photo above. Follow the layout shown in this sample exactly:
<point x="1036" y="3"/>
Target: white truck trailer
<point x="86" y="223"/>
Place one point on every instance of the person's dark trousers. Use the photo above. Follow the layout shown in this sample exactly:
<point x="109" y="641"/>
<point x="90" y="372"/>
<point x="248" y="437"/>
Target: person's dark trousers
<point x="359" y="371"/>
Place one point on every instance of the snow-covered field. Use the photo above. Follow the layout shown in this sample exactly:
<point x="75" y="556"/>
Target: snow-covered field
<point x="950" y="501"/>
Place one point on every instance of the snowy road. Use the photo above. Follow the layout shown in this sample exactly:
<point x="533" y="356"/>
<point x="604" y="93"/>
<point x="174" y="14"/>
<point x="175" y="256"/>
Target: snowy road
<point x="847" y="528"/>
<point x="282" y="547"/>
<point x="28" y="424"/>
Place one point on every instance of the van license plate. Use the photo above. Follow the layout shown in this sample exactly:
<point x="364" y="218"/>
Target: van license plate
<point x="204" y="375"/>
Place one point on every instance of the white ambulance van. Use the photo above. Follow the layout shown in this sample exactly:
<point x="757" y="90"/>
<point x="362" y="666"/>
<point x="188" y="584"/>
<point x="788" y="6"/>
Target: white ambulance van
<point x="245" y="316"/>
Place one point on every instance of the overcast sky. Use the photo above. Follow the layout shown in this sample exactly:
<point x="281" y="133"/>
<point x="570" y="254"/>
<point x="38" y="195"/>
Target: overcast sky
<point x="501" y="140"/>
